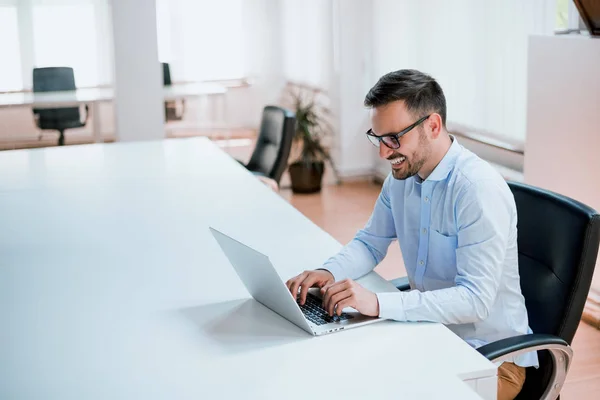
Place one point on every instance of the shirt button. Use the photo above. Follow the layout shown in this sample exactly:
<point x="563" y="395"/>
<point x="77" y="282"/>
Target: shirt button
<point x="424" y="230"/>
<point x="421" y="262"/>
<point x="426" y="199"/>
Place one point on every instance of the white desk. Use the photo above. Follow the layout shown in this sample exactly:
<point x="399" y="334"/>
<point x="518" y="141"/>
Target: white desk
<point x="95" y="96"/>
<point x="111" y="286"/>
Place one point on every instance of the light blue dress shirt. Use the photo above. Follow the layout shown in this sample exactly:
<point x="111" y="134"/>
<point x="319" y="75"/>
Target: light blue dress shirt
<point x="457" y="231"/>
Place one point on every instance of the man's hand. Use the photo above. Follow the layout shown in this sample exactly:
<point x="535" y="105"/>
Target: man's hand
<point x="306" y="280"/>
<point x="348" y="293"/>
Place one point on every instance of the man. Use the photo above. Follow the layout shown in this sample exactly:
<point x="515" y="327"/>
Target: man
<point x="455" y="219"/>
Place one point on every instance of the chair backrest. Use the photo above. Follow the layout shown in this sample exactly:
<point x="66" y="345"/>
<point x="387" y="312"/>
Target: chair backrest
<point x="558" y="240"/>
<point x="55" y="79"/>
<point x="274" y="142"/>
<point x="166" y="74"/>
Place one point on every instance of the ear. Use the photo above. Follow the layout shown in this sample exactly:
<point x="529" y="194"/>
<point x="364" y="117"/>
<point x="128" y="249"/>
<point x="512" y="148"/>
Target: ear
<point x="434" y="122"/>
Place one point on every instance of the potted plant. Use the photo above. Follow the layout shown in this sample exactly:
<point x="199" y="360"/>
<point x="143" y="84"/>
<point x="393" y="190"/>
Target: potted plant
<point x="310" y="151"/>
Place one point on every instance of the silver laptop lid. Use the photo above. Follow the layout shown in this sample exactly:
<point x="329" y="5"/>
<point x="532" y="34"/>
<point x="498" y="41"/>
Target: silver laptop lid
<point x="261" y="279"/>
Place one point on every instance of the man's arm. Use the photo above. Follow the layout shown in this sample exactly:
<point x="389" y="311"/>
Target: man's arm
<point x="370" y="244"/>
<point x="483" y="213"/>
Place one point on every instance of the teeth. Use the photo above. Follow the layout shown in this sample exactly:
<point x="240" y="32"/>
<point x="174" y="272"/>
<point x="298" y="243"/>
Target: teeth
<point x="397" y="160"/>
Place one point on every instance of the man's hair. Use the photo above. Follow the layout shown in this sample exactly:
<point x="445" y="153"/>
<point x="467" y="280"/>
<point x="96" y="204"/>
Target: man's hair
<point x="422" y="95"/>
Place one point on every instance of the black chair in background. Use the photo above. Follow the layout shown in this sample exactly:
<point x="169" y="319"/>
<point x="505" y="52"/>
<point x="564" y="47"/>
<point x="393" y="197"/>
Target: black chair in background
<point x="558" y="240"/>
<point x="274" y="143"/>
<point x="54" y="79"/>
<point x="172" y="111"/>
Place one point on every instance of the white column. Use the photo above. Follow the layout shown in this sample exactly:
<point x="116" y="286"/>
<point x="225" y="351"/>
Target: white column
<point x="139" y="109"/>
<point x="25" y="16"/>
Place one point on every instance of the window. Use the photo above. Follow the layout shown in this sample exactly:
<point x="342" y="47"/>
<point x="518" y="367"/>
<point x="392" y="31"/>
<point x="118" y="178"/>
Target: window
<point x="65" y="35"/>
<point x="201" y="39"/>
<point x="10" y="68"/>
<point x="562" y="14"/>
<point x="477" y="53"/>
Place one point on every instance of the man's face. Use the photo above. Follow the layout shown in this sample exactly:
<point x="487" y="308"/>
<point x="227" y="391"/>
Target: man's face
<point x="415" y="147"/>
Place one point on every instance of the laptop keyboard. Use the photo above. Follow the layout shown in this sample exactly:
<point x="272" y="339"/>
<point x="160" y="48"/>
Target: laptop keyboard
<point x="315" y="313"/>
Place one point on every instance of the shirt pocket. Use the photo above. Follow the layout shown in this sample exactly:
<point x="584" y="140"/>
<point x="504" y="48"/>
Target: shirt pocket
<point x="441" y="261"/>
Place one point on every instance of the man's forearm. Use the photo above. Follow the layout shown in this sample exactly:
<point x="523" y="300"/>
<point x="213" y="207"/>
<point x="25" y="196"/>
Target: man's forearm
<point x="455" y="305"/>
<point x="353" y="261"/>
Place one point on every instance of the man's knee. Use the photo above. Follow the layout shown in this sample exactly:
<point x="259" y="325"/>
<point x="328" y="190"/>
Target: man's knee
<point x="511" y="378"/>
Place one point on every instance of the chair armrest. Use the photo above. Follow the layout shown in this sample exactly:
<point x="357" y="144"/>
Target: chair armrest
<point x="401" y="283"/>
<point x="559" y="350"/>
<point x="515" y="345"/>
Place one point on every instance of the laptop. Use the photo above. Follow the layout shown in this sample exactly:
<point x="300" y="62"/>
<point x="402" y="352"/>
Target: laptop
<point x="266" y="286"/>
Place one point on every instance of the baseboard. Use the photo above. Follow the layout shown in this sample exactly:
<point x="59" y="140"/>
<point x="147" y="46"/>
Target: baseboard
<point x="591" y="311"/>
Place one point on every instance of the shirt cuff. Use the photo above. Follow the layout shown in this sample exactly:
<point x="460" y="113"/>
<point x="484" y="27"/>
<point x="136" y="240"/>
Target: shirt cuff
<point x="391" y="306"/>
<point x="336" y="271"/>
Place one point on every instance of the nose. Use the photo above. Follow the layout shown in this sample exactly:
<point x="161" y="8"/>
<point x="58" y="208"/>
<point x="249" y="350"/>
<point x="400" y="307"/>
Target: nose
<point x="384" y="151"/>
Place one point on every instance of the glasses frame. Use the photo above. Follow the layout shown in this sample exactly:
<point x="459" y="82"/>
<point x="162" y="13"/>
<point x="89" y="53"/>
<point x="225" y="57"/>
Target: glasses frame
<point x="395" y="136"/>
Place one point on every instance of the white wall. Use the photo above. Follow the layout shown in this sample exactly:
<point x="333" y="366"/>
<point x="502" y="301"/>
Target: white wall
<point x="353" y="42"/>
<point x="333" y="52"/>
<point x="563" y="129"/>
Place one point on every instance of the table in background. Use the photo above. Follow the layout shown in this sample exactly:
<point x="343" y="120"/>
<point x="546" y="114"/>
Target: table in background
<point x="95" y="96"/>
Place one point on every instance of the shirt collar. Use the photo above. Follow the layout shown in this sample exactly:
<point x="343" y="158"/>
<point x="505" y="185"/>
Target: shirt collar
<point x="442" y="170"/>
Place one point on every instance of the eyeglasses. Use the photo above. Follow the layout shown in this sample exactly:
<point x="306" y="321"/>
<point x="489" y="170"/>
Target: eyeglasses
<point x="392" y="140"/>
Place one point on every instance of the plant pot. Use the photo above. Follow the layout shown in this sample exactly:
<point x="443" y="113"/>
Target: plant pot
<point x="306" y="176"/>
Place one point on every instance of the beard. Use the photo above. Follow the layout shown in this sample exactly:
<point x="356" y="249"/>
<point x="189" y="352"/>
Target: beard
<point x="413" y="164"/>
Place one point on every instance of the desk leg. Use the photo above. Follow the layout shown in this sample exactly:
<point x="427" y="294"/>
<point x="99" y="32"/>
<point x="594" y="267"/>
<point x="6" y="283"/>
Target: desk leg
<point x="96" y="132"/>
<point x="223" y="117"/>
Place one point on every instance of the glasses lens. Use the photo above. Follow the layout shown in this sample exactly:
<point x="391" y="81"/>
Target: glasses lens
<point x="374" y="140"/>
<point x="391" y="142"/>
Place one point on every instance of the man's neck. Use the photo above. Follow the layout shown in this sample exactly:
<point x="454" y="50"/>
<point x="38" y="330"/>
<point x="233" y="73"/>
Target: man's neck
<point x="436" y="156"/>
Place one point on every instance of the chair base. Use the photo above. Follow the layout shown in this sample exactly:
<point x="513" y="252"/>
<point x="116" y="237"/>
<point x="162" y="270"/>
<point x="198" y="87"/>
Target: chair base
<point x="61" y="138"/>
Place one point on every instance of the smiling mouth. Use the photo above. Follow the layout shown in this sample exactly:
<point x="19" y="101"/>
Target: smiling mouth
<point x="397" y="161"/>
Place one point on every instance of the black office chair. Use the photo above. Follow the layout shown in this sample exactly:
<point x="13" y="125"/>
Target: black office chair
<point x="172" y="111"/>
<point x="274" y="143"/>
<point x="558" y="240"/>
<point x="54" y="79"/>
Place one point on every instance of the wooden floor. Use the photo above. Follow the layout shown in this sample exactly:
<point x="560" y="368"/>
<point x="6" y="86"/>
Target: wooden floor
<point x="344" y="209"/>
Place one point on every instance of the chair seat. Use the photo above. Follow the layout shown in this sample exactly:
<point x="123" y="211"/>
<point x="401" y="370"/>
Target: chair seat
<point x="57" y="124"/>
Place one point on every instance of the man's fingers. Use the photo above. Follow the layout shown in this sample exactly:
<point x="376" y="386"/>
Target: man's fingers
<point x="324" y="288"/>
<point x="295" y="283"/>
<point x="347" y="302"/>
<point x="335" y="299"/>
<point x="332" y="290"/>
<point x="306" y="284"/>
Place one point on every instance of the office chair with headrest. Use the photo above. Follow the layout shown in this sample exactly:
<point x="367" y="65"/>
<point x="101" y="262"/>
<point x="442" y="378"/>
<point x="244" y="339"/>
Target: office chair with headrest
<point x="54" y="79"/>
<point x="558" y="240"/>
<point x="172" y="111"/>
<point x="274" y="143"/>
